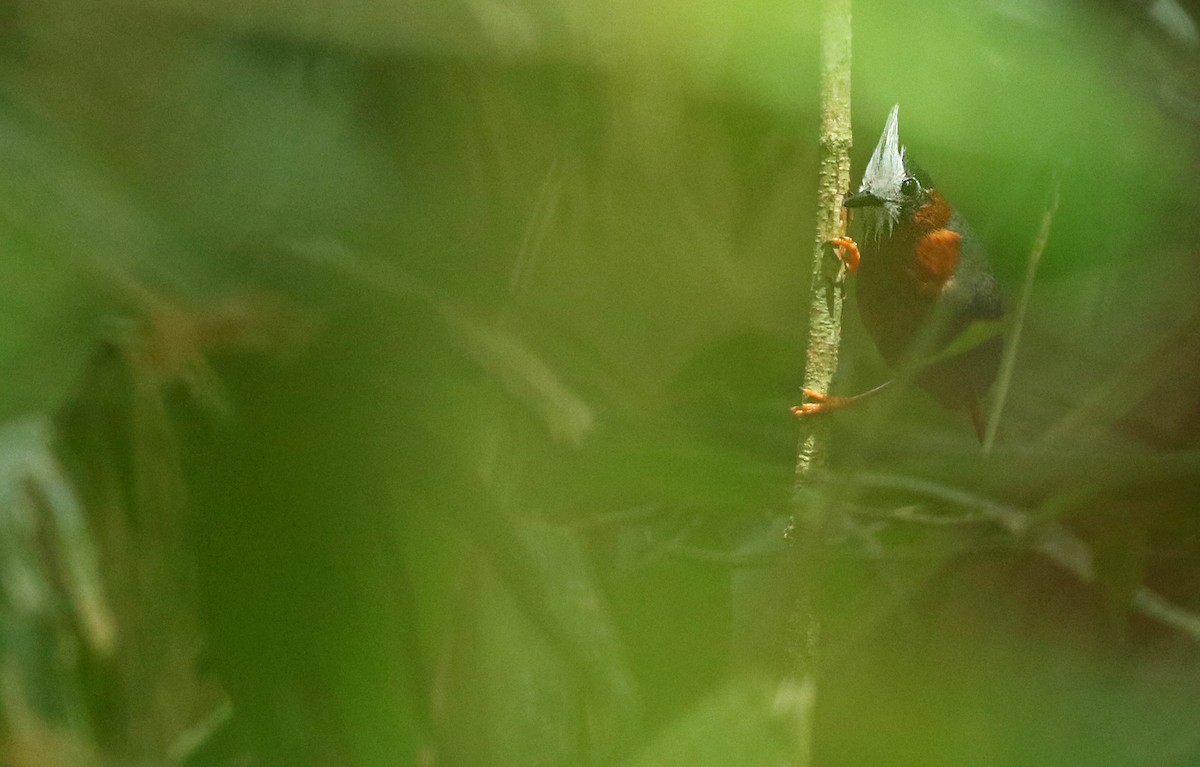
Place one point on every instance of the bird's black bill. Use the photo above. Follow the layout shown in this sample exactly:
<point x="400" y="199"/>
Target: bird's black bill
<point x="862" y="200"/>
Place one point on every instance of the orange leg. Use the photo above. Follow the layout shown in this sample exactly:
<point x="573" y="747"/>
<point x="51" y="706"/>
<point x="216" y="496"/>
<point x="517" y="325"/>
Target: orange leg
<point x="826" y="404"/>
<point x="847" y="252"/>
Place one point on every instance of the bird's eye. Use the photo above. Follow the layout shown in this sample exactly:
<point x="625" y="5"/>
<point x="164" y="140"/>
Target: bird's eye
<point x="910" y="186"/>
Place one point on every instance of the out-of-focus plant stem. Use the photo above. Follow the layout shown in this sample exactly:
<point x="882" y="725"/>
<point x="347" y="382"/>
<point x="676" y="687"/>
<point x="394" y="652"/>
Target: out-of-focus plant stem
<point x="1008" y="362"/>
<point x="824" y="338"/>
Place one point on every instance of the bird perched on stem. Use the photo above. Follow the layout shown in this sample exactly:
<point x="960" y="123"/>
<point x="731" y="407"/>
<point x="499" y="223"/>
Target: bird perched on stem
<point x="925" y="291"/>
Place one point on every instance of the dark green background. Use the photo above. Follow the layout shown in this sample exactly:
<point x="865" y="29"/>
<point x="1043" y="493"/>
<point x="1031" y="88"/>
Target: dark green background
<point x="497" y="466"/>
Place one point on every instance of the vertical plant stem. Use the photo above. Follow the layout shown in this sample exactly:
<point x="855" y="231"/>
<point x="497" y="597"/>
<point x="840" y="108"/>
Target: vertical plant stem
<point x="824" y="338"/>
<point x="825" y="306"/>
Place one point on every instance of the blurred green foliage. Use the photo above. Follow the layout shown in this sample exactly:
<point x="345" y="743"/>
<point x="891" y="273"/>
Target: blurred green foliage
<point x="425" y="369"/>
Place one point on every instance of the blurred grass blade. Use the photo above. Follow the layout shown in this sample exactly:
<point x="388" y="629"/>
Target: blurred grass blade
<point x="38" y="505"/>
<point x="1008" y="360"/>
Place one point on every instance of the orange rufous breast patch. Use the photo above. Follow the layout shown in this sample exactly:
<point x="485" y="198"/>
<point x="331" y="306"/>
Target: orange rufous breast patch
<point x="937" y="255"/>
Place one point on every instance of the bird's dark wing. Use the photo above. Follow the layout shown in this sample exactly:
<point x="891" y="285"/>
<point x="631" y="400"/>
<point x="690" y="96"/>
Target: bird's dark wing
<point x="972" y="296"/>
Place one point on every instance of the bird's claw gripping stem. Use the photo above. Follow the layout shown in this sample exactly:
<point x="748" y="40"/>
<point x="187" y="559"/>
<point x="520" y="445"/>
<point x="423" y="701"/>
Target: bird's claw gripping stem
<point x="846" y="250"/>
<point x="823" y="404"/>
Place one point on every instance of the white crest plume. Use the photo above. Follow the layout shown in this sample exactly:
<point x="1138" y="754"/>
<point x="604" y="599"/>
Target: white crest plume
<point x="883" y="177"/>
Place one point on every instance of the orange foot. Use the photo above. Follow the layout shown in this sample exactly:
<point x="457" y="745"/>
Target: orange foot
<point x="847" y="252"/>
<point x="824" y="404"/>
